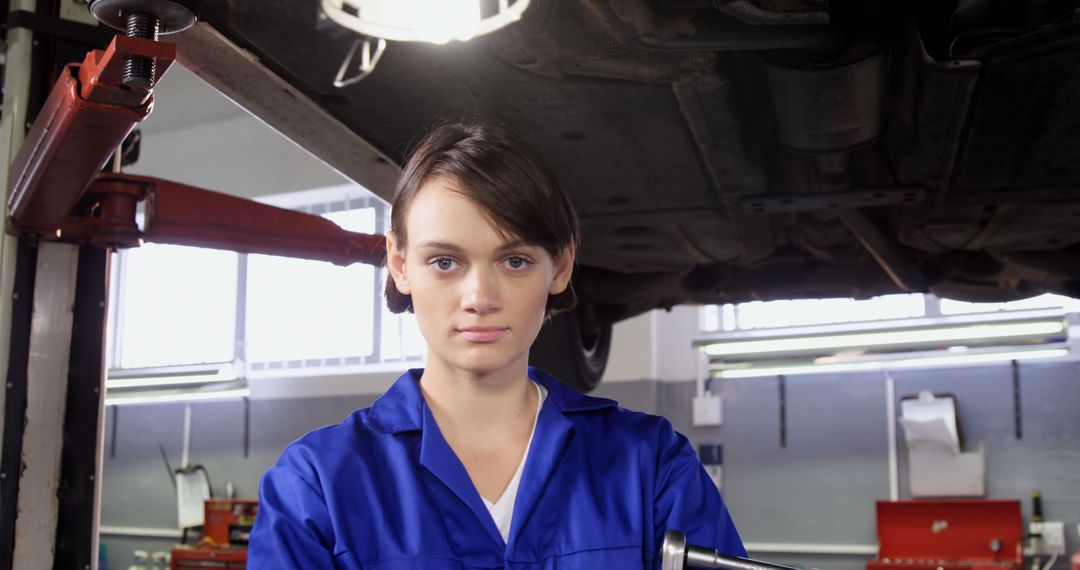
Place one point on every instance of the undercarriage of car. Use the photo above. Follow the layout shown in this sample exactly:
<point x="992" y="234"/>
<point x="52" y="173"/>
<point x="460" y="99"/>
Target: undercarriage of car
<point x="724" y="151"/>
<point x="718" y="151"/>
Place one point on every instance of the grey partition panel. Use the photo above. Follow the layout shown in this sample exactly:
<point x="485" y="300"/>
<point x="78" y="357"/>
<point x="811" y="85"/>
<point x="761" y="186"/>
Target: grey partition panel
<point x="640" y="395"/>
<point x="1048" y="456"/>
<point x="273" y="425"/>
<point x="137" y="489"/>
<point x="820" y="487"/>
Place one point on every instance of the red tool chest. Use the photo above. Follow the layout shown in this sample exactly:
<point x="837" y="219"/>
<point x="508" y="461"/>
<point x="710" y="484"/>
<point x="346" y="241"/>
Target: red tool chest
<point x="225" y="536"/>
<point x="192" y="558"/>
<point x="949" y="535"/>
<point x="229" y="521"/>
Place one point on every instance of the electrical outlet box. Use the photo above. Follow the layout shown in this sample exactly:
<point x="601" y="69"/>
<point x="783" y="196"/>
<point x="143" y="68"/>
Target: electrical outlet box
<point x="1051" y="539"/>
<point x="708" y="410"/>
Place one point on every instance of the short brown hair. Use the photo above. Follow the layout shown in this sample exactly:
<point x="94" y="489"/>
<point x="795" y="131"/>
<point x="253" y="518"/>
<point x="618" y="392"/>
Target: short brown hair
<point x="506" y="178"/>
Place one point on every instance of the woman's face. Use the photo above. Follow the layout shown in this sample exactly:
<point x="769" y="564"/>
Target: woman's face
<point x="479" y="296"/>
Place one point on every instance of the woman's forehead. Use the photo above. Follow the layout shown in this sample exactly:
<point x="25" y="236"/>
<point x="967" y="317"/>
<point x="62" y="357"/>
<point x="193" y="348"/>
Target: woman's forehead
<point x="442" y="213"/>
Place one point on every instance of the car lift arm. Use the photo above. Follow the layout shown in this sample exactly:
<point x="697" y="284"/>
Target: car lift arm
<point x="51" y="458"/>
<point x="58" y="192"/>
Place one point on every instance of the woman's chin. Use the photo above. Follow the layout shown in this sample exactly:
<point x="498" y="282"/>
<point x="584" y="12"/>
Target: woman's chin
<point x="482" y="361"/>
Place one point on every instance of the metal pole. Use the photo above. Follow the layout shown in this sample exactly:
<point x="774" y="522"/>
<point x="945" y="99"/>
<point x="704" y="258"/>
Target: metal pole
<point x="12" y="131"/>
<point x="84" y="419"/>
<point x="46" y="398"/>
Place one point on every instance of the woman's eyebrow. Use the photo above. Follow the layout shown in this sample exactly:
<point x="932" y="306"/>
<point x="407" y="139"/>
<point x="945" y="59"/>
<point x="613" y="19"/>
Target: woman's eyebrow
<point x="439" y="245"/>
<point x="512" y="245"/>
<point x="445" y="245"/>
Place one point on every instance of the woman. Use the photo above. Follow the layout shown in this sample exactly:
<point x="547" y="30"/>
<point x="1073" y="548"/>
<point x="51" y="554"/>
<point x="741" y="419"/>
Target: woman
<point x="478" y="460"/>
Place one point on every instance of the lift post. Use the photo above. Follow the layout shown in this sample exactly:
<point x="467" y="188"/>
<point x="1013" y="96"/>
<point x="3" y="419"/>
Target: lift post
<point x="50" y="465"/>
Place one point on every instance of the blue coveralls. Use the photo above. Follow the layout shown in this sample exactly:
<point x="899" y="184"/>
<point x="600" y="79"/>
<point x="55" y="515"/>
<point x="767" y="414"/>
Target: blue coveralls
<point x="383" y="490"/>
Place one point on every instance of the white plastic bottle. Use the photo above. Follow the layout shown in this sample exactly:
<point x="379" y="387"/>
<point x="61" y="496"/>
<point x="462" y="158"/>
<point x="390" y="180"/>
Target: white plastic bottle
<point x="141" y="560"/>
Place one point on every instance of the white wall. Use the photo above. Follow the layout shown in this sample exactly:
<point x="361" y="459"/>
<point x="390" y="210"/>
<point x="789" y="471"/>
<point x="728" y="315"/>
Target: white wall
<point x="239" y="156"/>
<point x="654" y="346"/>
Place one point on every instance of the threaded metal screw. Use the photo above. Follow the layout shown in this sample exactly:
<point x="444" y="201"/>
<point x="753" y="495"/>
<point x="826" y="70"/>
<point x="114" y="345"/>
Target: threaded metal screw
<point x="139" y="72"/>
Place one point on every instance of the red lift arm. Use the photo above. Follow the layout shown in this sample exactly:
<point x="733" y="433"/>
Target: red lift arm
<point x="59" y="193"/>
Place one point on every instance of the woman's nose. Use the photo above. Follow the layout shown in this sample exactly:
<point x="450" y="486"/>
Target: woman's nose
<point x="481" y="293"/>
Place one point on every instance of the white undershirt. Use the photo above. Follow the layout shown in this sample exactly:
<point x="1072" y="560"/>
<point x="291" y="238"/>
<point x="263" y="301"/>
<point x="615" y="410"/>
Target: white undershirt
<point x="503" y="509"/>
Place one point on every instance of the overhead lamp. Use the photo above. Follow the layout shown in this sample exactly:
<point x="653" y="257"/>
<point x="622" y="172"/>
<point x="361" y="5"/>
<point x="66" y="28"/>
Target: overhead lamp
<point x="431" y="21"/>
<point x="895" y="336"/>
<point x="936" y="358"/>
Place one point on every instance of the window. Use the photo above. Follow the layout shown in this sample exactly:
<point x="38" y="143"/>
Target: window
<point x="800" y="312"/>
<point x="1047" y="301"/>
<point x="176" y="306"/>
<point x="303" y="310"/>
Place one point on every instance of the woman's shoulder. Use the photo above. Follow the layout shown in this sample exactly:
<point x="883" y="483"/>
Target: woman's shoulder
<point x="621" y="422"/>
<point x="599" y="416"/>
<point x="328" y="444"/>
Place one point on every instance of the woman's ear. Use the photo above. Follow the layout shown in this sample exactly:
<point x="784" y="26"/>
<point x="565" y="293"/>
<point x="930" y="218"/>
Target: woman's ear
<point x="564" y="269"/>
<point x="395" y="262"/>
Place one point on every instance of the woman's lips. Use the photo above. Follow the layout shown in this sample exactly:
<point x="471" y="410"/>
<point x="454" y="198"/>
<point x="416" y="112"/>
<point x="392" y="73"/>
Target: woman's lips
<point x="482" y="334"/>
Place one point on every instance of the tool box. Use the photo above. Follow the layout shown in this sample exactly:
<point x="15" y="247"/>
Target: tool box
<point x="195" y="558"/>
<point x="229" y="521"/>
<point x="949" y="535"/>
<point x="225" y="536"/>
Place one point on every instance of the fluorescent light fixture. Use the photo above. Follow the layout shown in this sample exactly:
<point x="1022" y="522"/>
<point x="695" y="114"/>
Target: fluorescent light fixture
<point x="175" y="396"/>
<point x="946" y="359"/>
<point x="227" y="373"/>
<point x="174" y="384"/>
<point x="434" y="21"/>
<point x="884" y="338"/>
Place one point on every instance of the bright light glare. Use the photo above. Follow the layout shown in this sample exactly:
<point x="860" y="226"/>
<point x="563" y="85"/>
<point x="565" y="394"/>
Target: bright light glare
<point x="179" y="306"/>
<point x="435" y="21"/>
<point x="956" y="359"/>
<point x="300" y="309"/>
<point x="798" y="312"/>
<point x="1045" y="301"/>
<point x="867" y="339"/>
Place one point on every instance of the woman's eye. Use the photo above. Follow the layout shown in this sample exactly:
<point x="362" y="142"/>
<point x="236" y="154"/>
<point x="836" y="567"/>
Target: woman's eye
<point x="517" y="262"/>
<point x="443" y="264"/>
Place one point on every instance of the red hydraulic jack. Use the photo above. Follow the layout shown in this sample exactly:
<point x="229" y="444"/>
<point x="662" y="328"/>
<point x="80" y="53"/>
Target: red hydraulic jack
<point x="59" y="193"/>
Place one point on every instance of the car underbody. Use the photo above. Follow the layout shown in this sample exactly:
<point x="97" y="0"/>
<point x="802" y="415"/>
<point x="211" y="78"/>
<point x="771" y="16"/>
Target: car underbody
<point x="725" y="151"/>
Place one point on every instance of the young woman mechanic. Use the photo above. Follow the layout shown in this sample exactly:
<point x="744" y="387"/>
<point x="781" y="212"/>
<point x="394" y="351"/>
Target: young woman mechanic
<point x="478" y="460"/>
